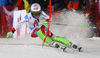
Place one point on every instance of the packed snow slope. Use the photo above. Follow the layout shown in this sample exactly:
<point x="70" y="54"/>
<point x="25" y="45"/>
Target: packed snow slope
<point x="32" y="47"/>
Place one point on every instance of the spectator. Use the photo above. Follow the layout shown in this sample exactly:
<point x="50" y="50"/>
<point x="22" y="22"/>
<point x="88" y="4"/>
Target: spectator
<point x="20" y="4"/>
<point x="73" y="4"/>
<point x="59" y="4"/>
<point x="6" y="2"/>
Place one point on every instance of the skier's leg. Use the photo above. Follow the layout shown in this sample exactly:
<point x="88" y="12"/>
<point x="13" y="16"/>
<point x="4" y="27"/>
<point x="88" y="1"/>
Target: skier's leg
<point x="64" y="41"/>
<point x="49" y="41"/>
<point x="41" y="35"/>
<point x="38" y="33"/>
<point x="55" y="39"/>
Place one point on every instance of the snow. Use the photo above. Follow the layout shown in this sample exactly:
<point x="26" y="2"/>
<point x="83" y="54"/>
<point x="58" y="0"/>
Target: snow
<point x="32" y="47"/>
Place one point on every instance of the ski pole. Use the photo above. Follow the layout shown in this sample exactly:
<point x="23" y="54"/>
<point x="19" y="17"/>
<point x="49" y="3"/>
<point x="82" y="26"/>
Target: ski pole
<point x="67" y="25"/>
<point x="72" y="25"/>
<point x="8" y="36"/>
<point x="8" y="40"/>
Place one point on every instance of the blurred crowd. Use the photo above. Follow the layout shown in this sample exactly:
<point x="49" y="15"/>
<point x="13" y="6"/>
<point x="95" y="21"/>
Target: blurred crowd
<point x="56" y="4"/>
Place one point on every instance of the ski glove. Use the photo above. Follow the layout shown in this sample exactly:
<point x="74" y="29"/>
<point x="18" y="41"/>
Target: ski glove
<point x="44" y="23"/>
<point x="9" y="34"/>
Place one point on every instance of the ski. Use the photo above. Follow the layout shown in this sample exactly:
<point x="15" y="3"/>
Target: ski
<point x="80" y="49"/>
<point x="65" y="48"/>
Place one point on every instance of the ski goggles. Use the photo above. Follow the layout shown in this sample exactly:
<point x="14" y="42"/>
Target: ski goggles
<point x="36" y="13"/>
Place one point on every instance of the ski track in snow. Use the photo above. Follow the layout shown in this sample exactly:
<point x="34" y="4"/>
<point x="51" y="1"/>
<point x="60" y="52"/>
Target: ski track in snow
<point x="32" y="48"/>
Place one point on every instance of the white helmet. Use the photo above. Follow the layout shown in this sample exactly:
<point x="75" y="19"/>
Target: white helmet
<point x="35" y="7"/>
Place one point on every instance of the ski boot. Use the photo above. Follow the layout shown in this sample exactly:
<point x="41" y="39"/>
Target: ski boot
<point x="56" y="45"/>
<point x="75" y="47"/>
<point x="60" y="47"/>
<point x="79" y="48"/>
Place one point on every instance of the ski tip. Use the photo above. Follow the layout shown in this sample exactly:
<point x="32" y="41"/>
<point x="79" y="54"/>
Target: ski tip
<point x="64" y="49"/>
<point x="80" y="49"/>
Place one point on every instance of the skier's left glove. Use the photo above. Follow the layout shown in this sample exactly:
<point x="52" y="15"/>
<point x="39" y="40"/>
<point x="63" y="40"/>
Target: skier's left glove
<point x="44" y="23"/>
<point x="9" y="34"/>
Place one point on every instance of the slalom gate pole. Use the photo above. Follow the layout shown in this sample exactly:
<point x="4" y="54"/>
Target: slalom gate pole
<point x="48" y="24"/>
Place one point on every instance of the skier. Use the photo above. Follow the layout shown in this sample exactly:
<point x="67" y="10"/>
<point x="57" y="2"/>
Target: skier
<point x="35" y="29"/>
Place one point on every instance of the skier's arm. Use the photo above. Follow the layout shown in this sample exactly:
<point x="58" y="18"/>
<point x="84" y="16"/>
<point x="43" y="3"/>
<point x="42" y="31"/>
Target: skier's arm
<point x="44" y="23"/>
<point x="46" y="17"/>
<point x="19" y="24"/>
<point x="9" y="34"/>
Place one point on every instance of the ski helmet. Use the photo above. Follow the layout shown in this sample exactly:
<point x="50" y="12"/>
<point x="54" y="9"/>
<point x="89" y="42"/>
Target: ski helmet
<point x="35" y="7"/>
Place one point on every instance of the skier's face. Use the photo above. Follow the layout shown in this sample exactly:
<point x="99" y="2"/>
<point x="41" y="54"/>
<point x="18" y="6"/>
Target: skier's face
<point x="36" y="14"/>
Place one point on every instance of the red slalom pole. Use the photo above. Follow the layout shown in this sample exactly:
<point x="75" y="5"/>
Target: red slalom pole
<point x="48" y="24"/>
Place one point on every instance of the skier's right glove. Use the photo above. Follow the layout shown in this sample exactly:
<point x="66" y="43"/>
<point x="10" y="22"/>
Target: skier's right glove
<point x="9" y="34"/>
<point x="44" y="23"/>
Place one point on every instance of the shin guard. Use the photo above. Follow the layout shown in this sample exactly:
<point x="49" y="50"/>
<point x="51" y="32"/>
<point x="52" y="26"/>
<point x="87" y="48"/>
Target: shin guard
<point x="41" y="35"/>
<point x="62" y="40"/>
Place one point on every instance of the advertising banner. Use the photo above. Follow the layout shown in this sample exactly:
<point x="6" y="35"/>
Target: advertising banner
<point x="8" y="18"/>
<point x="21" y="31"/>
